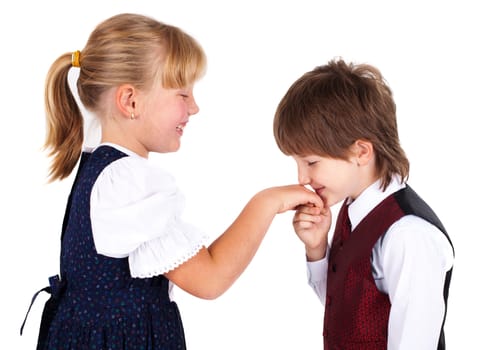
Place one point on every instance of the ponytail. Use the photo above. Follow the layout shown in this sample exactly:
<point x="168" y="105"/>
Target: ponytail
<point x="126" y="48"/>
<point x="64" y="137"/>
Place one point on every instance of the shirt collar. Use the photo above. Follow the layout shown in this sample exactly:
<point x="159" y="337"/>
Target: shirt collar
<point x="370" y="198"/>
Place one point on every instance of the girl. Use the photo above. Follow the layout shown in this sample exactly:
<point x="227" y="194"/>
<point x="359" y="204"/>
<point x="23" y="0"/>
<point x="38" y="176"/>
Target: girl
<point x="124" y="244"/>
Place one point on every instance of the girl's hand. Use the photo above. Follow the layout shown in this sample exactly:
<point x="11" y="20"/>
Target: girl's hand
<point x="312" y="224"/>
<point x="290" y="197"/>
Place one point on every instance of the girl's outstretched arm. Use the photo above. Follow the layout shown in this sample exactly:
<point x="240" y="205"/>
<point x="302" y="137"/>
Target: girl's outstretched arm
<point x="214" y="269"/>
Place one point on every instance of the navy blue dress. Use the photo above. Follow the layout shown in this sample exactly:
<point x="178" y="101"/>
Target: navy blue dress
<point x="99" y="304"/>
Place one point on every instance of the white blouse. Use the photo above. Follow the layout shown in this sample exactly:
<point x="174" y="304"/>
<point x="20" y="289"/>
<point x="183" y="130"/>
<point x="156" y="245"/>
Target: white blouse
<point x="135" y="211"/>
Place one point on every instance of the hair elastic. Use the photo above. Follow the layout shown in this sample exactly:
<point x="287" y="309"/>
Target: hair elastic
<point x="75" y="59"/>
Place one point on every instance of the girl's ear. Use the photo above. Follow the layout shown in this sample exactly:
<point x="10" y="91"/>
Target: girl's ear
<point x="125" y="100"/>
<point x="362" y="151"/>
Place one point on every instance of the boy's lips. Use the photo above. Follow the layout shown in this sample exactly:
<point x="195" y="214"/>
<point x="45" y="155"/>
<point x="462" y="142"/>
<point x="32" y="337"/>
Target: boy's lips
<point x="319" y="189"/>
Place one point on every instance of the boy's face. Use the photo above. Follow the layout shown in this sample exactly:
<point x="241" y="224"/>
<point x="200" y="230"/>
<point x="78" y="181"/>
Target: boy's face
<point x="331" y="178"/>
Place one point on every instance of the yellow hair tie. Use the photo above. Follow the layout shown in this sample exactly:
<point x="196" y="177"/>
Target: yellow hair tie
<point x="75" y="59"/>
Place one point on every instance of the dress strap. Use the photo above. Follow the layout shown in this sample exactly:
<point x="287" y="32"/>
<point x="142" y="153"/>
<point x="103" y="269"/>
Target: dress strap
<point x="46" y="289"/>
<point x="55" y="288"/>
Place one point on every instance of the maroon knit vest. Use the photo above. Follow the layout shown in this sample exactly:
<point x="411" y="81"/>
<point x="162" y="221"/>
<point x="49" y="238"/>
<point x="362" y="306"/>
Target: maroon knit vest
<point x="356" y="312"/>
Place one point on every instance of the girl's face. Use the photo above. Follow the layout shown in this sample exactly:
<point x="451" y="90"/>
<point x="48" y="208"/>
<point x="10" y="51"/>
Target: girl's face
<point x="164" y="115"/>
<point x="332" y="179"/>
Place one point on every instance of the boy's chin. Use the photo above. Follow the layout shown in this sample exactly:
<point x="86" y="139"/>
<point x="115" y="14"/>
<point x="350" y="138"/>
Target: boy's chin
<point x="330" y="201"/>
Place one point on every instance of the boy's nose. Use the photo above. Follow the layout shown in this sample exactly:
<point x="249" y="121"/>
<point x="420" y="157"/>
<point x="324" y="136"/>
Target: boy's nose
<point x="304" y="179"/>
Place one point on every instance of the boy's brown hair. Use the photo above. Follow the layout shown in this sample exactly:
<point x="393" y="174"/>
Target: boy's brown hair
<point x="327" y="109"/>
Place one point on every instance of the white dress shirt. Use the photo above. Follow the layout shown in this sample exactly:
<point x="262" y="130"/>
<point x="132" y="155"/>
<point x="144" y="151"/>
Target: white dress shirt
<point x="409" y="264"/>
<point x="135" y="212"/>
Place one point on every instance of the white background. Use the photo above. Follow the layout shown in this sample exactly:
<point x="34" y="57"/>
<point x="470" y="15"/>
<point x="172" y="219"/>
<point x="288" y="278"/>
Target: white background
<point x="426" y="51"/>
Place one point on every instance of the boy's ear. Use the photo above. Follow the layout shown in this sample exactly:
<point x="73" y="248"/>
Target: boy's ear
<point x="363" y="152"/>
<point x="125" y="100"/>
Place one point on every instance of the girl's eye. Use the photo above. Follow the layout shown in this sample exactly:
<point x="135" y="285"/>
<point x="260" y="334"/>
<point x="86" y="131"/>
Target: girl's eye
<point x="183" y="93"/>
<point x="311" y="163"/>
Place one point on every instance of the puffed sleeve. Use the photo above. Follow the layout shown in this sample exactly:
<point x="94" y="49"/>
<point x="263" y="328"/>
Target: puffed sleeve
<point x="136" y="210"/>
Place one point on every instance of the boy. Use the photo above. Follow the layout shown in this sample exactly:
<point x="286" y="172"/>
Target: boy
<point x="384" y="284"/>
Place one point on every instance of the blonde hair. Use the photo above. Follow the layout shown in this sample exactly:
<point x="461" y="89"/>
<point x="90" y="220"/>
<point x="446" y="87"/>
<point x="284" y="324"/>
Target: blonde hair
<point x="126" y="48"/>
<point x="327" y="109"/>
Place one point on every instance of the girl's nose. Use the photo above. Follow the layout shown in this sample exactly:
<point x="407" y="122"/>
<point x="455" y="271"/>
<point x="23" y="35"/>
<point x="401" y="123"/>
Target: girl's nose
<point x="193" y="107"/>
